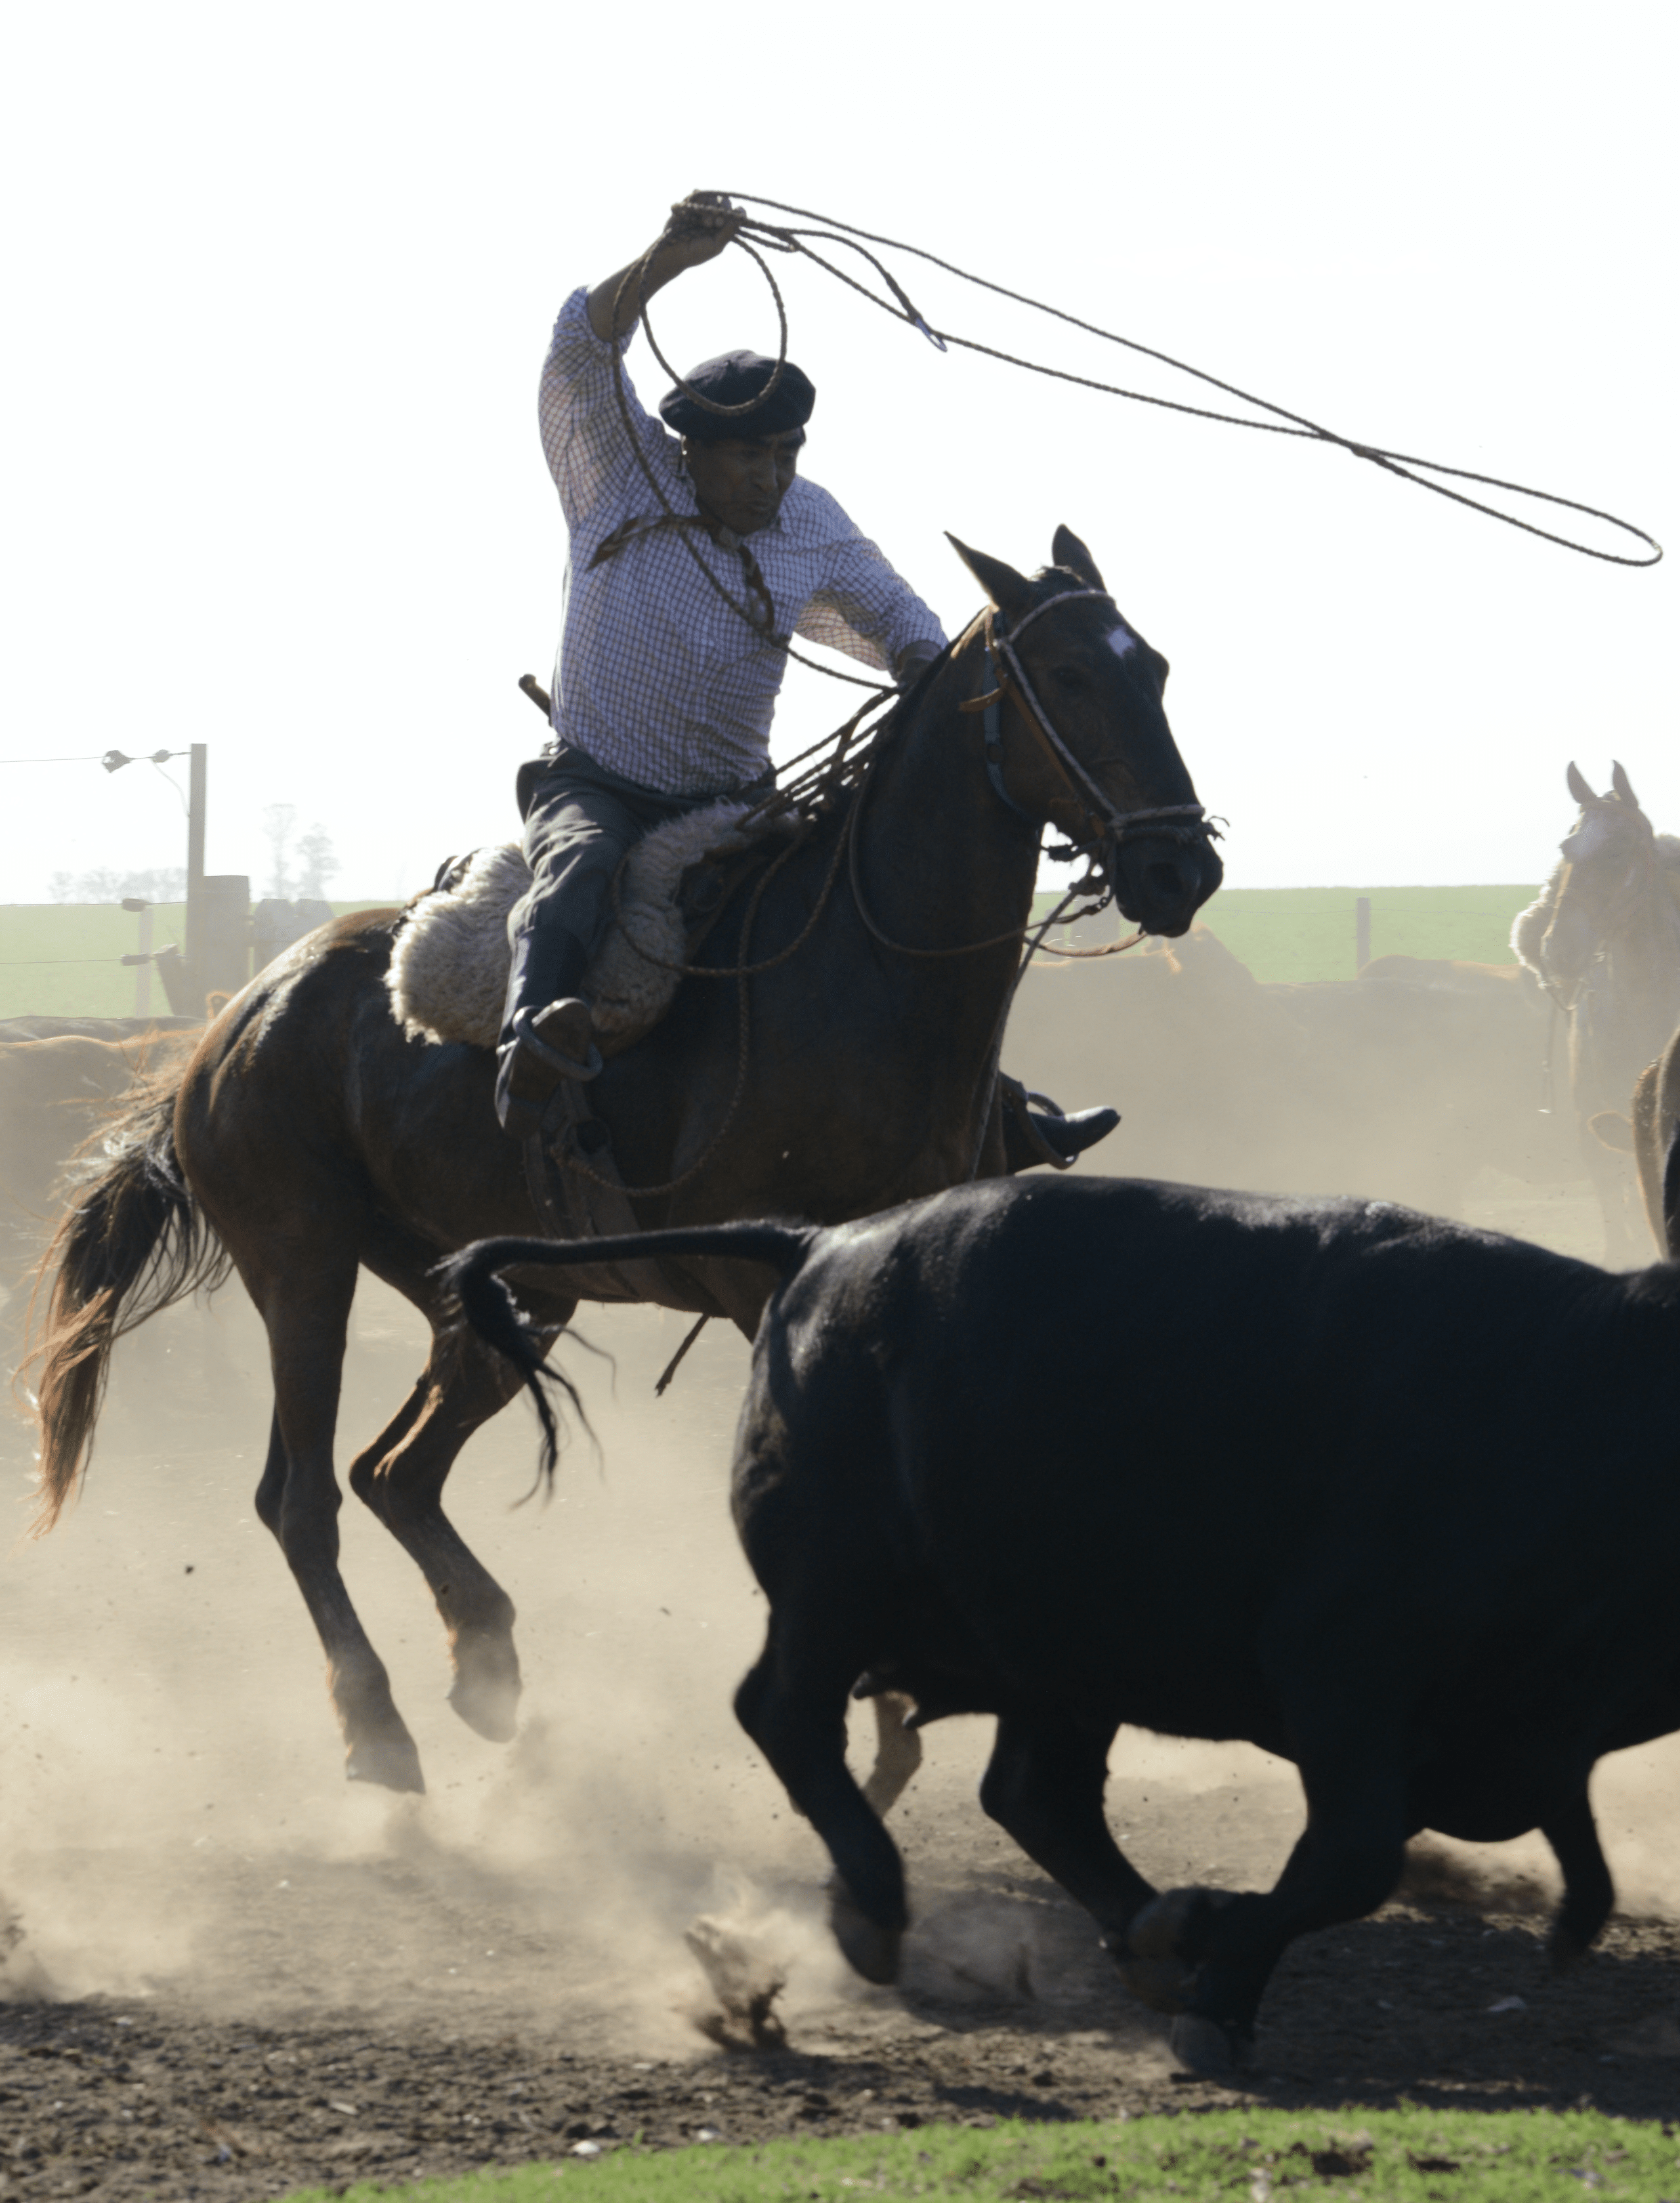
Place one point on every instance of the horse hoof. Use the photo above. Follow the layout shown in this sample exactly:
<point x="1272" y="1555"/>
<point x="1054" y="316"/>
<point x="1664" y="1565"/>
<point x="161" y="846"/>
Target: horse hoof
<point x="391" y="1761"/>
<point x="1203" y="2046"/>
<point x="746" y="1977"/>
<point x="869" y="1948"/>
<point x="489" y="1705"/>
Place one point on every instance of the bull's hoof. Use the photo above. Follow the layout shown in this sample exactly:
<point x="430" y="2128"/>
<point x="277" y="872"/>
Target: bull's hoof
<point x="486" y="1692"/>
<point x="392" y="1762"/>
<point x="1163" y="1984"/>
<point x="1203" y="2046"/>
<point x="1566" y="1948"/>
<point x="1163" y="1950"/>
<point x="869" y="1948"/>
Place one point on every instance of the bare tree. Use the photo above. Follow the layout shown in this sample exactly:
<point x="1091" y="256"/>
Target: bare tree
<point x="277" y="820"/>
<point x="317" y="862"/>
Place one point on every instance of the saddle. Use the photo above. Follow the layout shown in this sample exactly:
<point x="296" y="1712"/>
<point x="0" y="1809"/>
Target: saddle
<point x="450" y="960"/>
<point x="448" y="978"/>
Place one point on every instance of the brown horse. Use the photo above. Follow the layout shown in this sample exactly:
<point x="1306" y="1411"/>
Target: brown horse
<point x="310" y="1138"/>
<point x="1604" y="938"/>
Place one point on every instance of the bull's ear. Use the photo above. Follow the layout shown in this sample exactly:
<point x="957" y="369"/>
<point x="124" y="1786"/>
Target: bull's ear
<point x="1012" y="593"/>
<point x="1622" y="786"/>
<point x="1067" y="550"/>
<point x="1577" y="786"/>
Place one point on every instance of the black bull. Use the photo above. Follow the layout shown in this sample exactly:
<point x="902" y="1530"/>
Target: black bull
<point x="1387" y="1496"/>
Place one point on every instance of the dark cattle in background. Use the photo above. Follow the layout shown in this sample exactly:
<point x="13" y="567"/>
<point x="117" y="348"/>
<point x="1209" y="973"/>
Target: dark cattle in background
<point x="1384" y="1496"/>
<point x="1404" y="1088"/>
<point x="57" y="1081"/>
<point x="50" y="1028"/>
<point x="1455" y="974"/>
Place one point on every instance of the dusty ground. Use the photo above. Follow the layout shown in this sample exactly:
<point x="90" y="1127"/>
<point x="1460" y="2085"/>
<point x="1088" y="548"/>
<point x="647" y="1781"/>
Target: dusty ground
<point x="237" y="1975"/>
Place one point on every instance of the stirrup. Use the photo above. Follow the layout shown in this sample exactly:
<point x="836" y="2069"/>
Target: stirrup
<point x="526" y="1035"/>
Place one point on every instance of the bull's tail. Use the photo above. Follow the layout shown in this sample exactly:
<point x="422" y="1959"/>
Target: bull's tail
<point x="134" y="1242"/>
<point x="474" y="1278"/>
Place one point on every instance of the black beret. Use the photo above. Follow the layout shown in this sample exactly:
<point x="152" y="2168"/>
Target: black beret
<point x="732" y="379"/>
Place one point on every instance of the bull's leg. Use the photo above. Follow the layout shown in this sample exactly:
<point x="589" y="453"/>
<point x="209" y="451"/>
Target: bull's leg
<point x="1588" y="1893"/>
<point x="1345" y="1865"/>
<point x="1044" y="1784"/>
<point x="897" y="1752"/>
<point x="401" y="1477"/>
<point x="793" y="1705"/>
<point x="307" y="1310"/>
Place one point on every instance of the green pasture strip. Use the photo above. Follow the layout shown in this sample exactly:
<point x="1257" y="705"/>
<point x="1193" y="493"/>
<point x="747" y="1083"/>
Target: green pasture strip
<point x="1308" y="933"/>
<point x="61" y="960"/>
<point x="1412" y="2155"/>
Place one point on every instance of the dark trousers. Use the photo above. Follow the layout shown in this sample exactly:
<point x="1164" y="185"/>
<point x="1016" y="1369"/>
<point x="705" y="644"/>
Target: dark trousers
<point x="580" y="819"/>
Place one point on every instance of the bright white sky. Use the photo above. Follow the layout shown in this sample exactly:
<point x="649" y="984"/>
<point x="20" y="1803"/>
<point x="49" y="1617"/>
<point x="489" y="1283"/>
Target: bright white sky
<point x="280" y="281"/>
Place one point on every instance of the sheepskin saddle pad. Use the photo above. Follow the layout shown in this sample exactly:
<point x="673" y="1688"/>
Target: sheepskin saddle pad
<point x="449" y="966"/>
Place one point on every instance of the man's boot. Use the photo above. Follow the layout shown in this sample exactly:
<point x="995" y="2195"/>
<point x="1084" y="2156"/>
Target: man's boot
<point x="549" y="1033"/>
<point x="1045" y="1134"/>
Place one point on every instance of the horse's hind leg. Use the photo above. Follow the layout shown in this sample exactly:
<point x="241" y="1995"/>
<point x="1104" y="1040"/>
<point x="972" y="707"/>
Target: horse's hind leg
<point x="307" y="1313"/>
<point x="401" y="1477"/>
<point x="897" y="1751"/>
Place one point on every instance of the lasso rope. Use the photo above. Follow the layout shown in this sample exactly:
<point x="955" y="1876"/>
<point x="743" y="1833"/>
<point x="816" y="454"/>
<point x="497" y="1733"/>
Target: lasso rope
<point x="792" y="238"/>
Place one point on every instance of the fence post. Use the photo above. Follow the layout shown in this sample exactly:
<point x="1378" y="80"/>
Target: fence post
<point x="1362" y="933"/>
<point x="142" y="960"/>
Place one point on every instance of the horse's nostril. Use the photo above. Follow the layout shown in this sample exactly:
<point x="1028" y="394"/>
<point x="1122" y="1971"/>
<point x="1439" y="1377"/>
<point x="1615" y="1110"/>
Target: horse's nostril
<point x="1163" y="878"/>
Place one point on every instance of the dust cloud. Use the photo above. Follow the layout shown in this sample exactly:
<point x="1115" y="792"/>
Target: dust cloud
<point x="174" y="1820"/>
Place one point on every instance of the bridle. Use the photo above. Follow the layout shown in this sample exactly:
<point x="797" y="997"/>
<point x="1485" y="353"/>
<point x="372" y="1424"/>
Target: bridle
<point x="1008" y="680"/>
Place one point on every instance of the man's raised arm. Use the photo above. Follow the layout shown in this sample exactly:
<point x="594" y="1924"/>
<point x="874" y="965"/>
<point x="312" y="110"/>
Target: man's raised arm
<point x="698" y="230"/>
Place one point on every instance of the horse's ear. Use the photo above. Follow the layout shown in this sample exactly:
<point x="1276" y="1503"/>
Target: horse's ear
<point x="1622" y="786"/>
<point x="1012" y="593"/>
<point x="1067" y="550"/>
<point x="1577" y="786"/>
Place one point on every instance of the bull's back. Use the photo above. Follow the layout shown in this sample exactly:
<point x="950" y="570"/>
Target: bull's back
<point x="1121" y="1418"/>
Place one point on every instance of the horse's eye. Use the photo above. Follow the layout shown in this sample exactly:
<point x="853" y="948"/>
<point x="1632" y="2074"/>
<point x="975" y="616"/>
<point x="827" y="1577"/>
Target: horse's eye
<point x="1069" y="679"/>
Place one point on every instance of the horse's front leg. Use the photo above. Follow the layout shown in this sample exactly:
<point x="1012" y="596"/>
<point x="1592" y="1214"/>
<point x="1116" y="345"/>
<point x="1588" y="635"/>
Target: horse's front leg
<point x="401" y="1477"/>
<point x="306" y="1309"/>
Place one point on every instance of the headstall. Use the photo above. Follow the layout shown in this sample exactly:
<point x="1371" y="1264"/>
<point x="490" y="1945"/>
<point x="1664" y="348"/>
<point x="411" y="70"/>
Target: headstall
<point x="1007" y="675"/>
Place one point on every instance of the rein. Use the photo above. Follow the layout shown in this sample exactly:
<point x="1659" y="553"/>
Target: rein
<point x="1111" y="825"/>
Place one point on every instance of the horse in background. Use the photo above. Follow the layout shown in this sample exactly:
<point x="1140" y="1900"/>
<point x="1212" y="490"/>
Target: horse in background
<point x="1603" y="938"/>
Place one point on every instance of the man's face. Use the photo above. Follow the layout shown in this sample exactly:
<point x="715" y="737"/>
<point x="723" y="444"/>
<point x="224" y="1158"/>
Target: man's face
<point x="741" y="483"/>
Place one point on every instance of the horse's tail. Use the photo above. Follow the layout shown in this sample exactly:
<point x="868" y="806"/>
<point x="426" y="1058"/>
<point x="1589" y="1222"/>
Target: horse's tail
<point x="474" y="1277"/>
<point x="134" y="1244"/>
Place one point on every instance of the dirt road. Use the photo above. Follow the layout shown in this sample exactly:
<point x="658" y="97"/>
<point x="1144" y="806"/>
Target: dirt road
<point x="237" y="1975"/>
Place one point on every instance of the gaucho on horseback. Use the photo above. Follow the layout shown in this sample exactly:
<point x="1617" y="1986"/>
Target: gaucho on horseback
<point x="665" y="682"/>
<point x="831" y="1051"/>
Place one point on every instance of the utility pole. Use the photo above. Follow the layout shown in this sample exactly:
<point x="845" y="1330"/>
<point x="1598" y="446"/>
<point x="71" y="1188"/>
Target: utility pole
<point x="198" y="774"/>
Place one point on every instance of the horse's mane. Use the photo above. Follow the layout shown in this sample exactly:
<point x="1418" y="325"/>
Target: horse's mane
<point x="1528" y="928"/>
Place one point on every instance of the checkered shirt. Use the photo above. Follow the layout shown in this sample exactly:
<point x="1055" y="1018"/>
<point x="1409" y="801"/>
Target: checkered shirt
<point x="658" y="678"/>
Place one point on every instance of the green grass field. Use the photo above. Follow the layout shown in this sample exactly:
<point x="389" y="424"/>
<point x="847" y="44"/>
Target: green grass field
<point x="1308" y="933"/>
<point x="61" y="959"/>
<point x="1409" y="2156"/>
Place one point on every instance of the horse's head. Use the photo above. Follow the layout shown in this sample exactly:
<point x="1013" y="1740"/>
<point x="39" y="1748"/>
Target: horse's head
<point x="1083" y="734"/>
<point x="1609" y="858"/>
